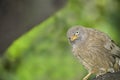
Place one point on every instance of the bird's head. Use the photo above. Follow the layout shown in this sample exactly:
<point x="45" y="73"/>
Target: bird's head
<point x="76" y="34"/>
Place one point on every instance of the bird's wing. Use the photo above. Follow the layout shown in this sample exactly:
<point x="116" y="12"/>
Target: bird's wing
<point x="112" y="47"/>
<point x="107" y="42"/>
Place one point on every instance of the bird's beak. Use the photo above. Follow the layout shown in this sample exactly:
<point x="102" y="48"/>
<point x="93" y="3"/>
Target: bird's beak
<point x="74" y="37"/>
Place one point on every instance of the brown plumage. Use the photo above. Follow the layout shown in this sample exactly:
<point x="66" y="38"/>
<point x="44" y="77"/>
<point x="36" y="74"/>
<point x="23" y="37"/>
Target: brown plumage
<point x="95" y="50"/>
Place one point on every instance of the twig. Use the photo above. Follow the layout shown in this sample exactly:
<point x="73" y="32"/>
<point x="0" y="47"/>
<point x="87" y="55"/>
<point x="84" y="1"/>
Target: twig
<point x="109" y="76"/>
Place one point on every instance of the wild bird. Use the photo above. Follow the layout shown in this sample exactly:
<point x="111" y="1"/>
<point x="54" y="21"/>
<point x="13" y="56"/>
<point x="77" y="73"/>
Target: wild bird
<point x="95" y="50"/>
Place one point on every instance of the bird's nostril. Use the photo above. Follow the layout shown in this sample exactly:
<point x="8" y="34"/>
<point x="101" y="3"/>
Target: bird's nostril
<point x="69" y="38"/>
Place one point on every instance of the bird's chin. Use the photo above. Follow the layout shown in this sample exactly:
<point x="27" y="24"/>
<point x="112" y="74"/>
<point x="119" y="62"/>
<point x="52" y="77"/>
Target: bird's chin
<point x="72" y="43"/>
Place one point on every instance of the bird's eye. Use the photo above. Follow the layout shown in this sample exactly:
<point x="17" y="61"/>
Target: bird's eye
<point x="77" y="33"/>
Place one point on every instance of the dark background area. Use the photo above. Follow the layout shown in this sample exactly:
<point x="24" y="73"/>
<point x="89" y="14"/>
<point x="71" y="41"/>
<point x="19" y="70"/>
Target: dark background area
<point x="17" y="17"/>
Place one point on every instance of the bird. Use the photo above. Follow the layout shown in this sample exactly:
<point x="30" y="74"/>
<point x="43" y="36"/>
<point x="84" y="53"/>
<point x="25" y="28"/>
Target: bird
<point x="95" y="50"/>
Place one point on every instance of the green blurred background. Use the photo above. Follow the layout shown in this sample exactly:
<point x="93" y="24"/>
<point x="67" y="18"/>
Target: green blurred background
<point x="43" y="53"/>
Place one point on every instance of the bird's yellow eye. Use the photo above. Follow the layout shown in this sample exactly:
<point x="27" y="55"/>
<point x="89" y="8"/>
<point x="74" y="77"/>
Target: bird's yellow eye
<point x="77" y="33"/>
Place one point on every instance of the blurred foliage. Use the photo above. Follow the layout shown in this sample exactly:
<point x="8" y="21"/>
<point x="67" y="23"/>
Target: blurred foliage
<point x="44" y="53"/>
